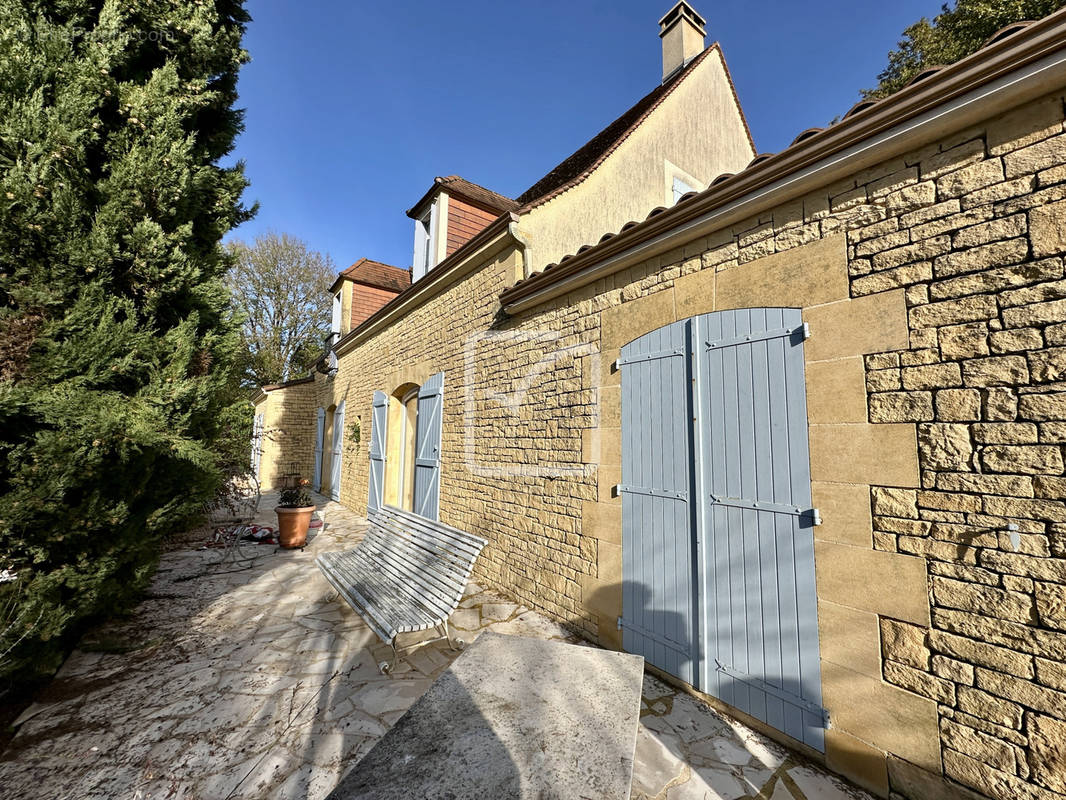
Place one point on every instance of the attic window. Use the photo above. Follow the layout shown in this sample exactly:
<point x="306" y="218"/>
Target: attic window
<point x="425" y="257"/>
<point x="681" y="189"/>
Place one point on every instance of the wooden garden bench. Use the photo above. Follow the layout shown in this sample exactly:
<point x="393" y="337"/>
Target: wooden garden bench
<point x="408" y="574"/>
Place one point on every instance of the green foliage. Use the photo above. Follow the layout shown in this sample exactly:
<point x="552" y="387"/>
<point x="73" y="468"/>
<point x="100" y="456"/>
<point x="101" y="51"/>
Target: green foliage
<point x="296" y="497"/>
<point x="281" y="286"/>
<point x="953" y="34"/>
<point x="119" y="405"/>
<point x="355" y="432"/>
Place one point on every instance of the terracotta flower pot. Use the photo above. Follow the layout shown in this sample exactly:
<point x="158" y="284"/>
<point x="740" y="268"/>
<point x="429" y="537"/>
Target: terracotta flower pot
<point x="293" y="524"/>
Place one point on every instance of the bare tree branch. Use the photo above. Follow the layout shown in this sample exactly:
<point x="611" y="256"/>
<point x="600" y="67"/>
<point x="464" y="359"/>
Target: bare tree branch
<point x="282" y="287"/>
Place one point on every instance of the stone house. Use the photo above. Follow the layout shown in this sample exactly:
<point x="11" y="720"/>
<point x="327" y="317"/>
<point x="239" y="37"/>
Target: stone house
<point x="791" y="426"/>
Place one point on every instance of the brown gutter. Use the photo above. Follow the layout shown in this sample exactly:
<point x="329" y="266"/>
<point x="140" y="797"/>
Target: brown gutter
<point x="998" y="59"/>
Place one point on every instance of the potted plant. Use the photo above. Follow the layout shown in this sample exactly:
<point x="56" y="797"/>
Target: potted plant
<point x="294" y="510"/>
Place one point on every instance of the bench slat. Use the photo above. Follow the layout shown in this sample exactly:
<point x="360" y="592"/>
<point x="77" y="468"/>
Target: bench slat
<point x="416" y="593"/>
<point x="465" y="541"/>
<point x="442" y="567"/>
<point x="380" y="596"/>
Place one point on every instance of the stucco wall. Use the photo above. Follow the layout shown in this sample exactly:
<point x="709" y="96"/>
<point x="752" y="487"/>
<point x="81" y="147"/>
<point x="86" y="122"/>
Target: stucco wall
<point x="934" y="286"/>
<point x="630" y="182"/>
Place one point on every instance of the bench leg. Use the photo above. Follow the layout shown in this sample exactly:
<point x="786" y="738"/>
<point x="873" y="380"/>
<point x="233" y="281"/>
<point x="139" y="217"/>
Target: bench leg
<point x="453" y="641"/>
<point x="385" y="667"/>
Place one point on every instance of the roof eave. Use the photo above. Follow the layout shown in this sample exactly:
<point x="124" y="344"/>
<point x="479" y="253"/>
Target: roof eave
<point x="1037" y="50"/>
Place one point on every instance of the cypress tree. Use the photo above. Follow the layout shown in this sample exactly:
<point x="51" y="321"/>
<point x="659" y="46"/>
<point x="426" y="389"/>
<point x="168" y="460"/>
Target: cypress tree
<point x="118" y="403"/>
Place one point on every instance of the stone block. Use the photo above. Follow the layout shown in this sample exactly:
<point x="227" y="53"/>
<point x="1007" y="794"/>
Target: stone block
<point x="945" y="446"/>
<point x="1043" y="406"/>
<point x="1051" y="605"/>
<point x="894" y="502"/>
<point x="932" y="376"/>
<point x="1017" y="485"/>
<point x="985" y="600"/>
<point x="957" y="405"/>
<point x="695" y="293"/>
<point x="1026" y="459"/>
<point x="920" y="682"/>
<point x="857" y="761"/>
<point x="995" y="371"/>
<point x="1005" y="433"/>
<point x="836" y="390"/>
<point x="970" y="178"/>
<point x="845" y="512"/>
<point x="964" y="341"/>
<point x="999" y="404"/>
<point x="953" y="670"/>
<point x="809" y="275"/>
<point x="954" y="312"/>
<point x="623" y="323"/>
<point x="601" y="597"/>
<point x="985" y="257"/>
<point x="1048" y="365"/>
<point x="849" y="637"/>
<point x="987" y="749"/>
<point x="602" y="521"/>
<point x="883" y="715"/>
<point x="889" y="584"/>
<point x="908" y="644"/>
<point x="901" y="406"/>
<point x="1047" y="752"/>
<point x="1023" y="692"/>
<point x="916" y="783"/>
<point x="871" y="324"/>
<point x="1047" y="229"/>
<point x="883" y="454"/>
<point x="1026" y="125"/>
<point x="1016" y="340"/>
<point x="1052" y="311"/>
<point x="989" y="707"/>
<point x="1035" y="157"/>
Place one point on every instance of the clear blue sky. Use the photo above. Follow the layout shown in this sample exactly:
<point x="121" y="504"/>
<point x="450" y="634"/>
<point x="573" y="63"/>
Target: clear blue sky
<point x="353" y="107"/>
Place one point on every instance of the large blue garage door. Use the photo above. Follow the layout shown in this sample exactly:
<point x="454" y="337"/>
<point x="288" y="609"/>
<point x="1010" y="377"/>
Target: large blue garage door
<point x="717" y="539"/>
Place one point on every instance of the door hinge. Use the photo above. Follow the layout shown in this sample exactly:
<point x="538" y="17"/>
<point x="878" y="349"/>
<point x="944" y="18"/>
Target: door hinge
<point x="806" y="331"/>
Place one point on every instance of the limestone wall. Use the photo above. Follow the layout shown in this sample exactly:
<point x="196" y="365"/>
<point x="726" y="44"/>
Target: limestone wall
<point x="936" y="369"/>
<point x="288" y="432"/>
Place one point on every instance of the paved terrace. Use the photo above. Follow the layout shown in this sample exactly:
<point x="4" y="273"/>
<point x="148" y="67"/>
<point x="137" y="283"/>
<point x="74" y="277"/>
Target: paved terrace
<point x="254" y="683"/>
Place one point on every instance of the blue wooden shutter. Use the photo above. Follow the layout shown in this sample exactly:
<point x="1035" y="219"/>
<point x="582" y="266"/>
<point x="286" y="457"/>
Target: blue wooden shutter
<point x="379" y="419"/>
<point x="335" y="453"/>
<point x="427" y="447"/>
<point x="658" y="549"/>
<point x="320" y="428"/>
<point x="759" y="605"/>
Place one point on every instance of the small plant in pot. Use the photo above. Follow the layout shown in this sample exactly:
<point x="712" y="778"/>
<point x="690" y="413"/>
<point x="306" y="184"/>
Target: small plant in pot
<point x="294" y="511"/>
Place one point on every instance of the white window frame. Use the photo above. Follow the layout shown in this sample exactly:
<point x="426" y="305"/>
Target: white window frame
<point x="678" y="183"/>
<point x="335" y="325"/>
<point x="426" y="250"/>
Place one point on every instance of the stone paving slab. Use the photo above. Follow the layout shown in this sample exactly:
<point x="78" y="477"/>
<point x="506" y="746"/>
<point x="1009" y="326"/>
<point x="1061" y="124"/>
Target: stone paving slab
<point x="512" y="717"/>
<point x="248" y="680"/>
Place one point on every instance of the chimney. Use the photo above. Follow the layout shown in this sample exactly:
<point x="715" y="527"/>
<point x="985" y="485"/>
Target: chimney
<point x="682" y="32"/>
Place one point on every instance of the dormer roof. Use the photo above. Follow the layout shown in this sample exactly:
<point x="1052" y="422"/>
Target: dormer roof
<point x="472" y="192"/>
<point x="376" y="274"/>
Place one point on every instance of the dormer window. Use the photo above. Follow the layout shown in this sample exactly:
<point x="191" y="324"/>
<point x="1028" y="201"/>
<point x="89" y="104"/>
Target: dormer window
<point x="335" y="324"/>
<point x="425" y="256"/>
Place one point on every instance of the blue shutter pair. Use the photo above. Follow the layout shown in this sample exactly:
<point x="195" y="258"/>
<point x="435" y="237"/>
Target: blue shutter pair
<point x="428" y="429"/>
